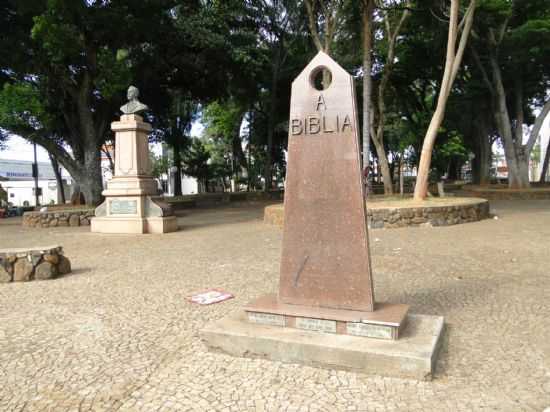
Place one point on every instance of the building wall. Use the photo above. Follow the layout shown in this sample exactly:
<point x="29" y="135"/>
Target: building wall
<point x="20" y="191"/>
<point x="20" y="183"/>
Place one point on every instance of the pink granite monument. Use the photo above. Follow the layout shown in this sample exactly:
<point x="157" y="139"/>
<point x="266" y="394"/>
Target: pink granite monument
<point x="325" y="312"/>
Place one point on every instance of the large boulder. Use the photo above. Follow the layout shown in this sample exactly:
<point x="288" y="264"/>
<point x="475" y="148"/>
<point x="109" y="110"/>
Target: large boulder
<point x="5" y="276"/>
<point x="22" y="271"/>
<point x="52" y="258"/>
<point x="45" y="270"/>
<point x="64" y="265"/>
<point x="74" y="220"/>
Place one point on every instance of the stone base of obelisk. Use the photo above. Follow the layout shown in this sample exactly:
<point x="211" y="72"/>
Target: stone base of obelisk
<point x="413" y="356"/>
<point x="387" y="321"/>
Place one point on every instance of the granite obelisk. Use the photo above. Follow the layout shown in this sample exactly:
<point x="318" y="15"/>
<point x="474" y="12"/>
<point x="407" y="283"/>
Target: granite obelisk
<point x="324" y="312"/>
<point x="325" y="258"/>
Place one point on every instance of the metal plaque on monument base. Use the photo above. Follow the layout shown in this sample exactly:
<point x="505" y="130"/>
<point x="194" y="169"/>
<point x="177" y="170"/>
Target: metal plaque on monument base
<point x="325" y="313"/>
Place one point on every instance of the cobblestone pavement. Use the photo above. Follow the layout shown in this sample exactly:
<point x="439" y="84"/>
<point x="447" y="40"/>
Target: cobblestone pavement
<point x="118" y="334"/>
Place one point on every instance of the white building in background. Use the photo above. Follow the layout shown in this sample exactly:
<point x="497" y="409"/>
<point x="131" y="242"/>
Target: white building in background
<point x="18" y="182"/>
<point x="189" y="185"/>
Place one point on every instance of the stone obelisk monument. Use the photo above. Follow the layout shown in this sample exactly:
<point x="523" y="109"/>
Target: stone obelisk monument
<point x="325" y="312"/>
<point x="131" y="202"/>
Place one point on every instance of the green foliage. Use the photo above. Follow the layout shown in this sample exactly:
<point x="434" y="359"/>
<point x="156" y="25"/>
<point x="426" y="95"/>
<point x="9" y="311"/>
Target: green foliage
<point x="196" y="159"/>
<point x="20" y="107"/>
<point x="159" y="165"/>
<point x="450" y="153"/>
<point x="65" y="66"/>
<point x="205" y="161"/>
<point x="222" y="120"/>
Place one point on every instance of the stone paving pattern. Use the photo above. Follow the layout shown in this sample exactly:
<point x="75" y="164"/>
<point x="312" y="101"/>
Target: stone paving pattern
<point x="118" y="335"/>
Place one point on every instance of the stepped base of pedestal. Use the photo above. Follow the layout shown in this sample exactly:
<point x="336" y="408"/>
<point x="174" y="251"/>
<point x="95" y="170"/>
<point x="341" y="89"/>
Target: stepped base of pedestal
<point x="412" y="356"/>
<point x="116" y="224"/>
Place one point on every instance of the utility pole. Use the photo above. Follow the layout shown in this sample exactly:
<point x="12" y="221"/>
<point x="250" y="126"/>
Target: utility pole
<point x="35" y="175"/>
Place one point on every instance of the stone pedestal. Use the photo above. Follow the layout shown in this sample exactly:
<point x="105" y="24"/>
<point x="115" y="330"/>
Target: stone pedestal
<point x="131" y="202"/>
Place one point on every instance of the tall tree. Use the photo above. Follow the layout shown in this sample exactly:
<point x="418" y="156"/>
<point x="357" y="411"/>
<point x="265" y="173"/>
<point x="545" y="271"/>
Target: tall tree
<point x="455" y="51"/>
<point x="223" y="122"/>
<point x="281" y="23"/>
<point x="545" y="162"/>
<point x="392" y="28"/>
<point x="511" y="50"/>
<point x="367" y="17"/>
<point x="80" y="56"/>
<point x="69" y="54"/>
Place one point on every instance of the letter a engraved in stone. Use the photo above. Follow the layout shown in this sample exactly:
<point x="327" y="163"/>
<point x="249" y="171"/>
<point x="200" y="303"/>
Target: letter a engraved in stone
<point x="321" y="102"/>
<point x="324" y="183"/>
<point x="347" y="123"/>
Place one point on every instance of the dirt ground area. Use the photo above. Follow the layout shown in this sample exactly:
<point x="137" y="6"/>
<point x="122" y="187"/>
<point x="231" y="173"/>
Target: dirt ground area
<point x="118" y="334"/>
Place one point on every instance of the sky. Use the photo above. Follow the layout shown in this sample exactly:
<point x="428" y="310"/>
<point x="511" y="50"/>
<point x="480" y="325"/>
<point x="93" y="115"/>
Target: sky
<point x="19" y="149"/>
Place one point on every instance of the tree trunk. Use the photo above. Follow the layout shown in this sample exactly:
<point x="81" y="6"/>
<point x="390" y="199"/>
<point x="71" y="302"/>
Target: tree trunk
<point x="368" y="10"/>
<point x="544" y="171"/>
<point x="384" y="168"/>
<point x="177" y="164"/>
<point x="452" y="171"/>
<point x="378" y="137"/>
<point x="401" y="177"/>
<point x="481" y="167"/>
<point x="452" y="64"/>
<point x="237" y="148"/>
<point x="268" y="167"/>
<point x="91" y="181"/>
<point x="60" y="188"/>
<point x="517" y="163"/>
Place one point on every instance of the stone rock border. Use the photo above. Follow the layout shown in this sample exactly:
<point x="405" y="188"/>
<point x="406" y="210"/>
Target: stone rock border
<point x="534" y="193"/>
<point x="39" y="263"/>
<point x="57" y="218"/>
<point x="220" y="199"/>
<point x="464" y="211"/>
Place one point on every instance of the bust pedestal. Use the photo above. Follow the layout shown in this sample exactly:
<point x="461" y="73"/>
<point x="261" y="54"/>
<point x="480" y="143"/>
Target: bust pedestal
<point x="131" y="203"/>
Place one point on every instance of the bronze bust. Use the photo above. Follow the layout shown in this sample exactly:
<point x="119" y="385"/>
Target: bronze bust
<point x="134" y="106"/>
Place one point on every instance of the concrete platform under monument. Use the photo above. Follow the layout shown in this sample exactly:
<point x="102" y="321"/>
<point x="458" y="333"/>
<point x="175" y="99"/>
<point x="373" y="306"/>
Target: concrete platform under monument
<point x="413" y="356"/>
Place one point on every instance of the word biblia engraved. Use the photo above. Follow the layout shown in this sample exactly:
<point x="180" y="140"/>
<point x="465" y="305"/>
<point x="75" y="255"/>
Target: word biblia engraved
<point x="315" y="124"/>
